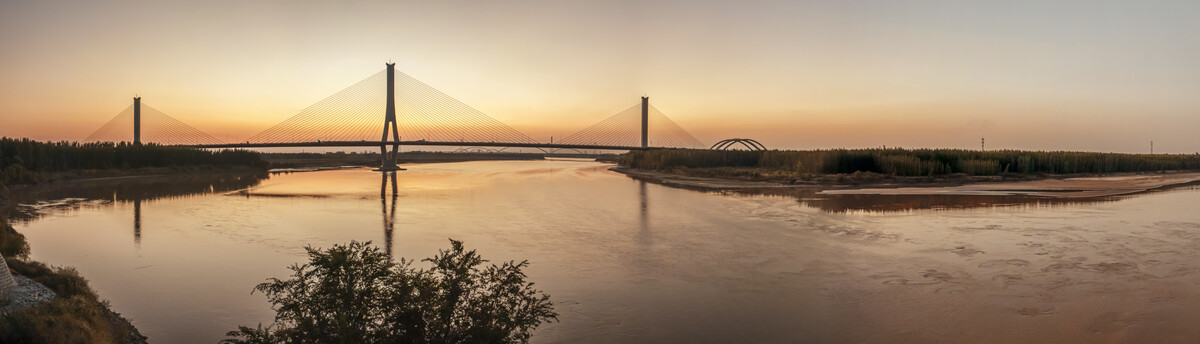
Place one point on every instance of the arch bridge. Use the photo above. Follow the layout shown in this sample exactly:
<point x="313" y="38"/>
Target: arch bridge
<point x="749" y="144"/>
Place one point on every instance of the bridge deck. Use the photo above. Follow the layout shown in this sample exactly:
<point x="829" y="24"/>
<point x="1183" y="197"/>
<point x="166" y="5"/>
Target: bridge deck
<point x="413" y="143"/>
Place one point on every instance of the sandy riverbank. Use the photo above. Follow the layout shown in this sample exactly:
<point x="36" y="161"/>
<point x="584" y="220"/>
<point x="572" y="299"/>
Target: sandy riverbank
<point x="1052" y="186"/>
<point x="1076" y="187"/>
<point x="704" y="183"/>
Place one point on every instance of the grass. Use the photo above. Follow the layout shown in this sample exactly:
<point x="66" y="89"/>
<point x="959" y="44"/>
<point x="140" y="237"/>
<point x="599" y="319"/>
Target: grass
<point x="76" y="319"/>
<point x="66" y="282"/>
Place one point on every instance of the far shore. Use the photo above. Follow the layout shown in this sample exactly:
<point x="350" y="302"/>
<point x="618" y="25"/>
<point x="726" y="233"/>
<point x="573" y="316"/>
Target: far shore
<point x="114" y="174"/>
<point x="1040" y="185"/>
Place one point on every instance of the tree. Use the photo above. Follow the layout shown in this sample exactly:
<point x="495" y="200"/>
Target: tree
<point x="355" y="294"/>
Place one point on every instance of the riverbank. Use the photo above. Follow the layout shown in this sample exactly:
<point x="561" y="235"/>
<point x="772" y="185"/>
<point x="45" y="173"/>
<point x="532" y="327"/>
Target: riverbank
<point x="26" y="161"/>
<point x="897" y="162"/>
<point x="90" y="175"/>
<point x="1037" y="185"/>
<point x="72" y="312"/>
<point x="55" y="304"/>
<point x="916" y="171"/>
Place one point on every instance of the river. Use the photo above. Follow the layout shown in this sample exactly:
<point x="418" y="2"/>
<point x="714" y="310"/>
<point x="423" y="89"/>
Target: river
<point x="633" y="262"/>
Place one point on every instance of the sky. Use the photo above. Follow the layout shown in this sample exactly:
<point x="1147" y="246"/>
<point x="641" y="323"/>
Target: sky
<point x="1091" y="75"/>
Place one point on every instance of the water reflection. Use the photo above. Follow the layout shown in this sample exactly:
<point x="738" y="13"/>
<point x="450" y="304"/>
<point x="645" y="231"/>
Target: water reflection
<point x="31" y="202"/>
<point x="873" y="203"/>
<point x="694" y="268"/>
<point x="137" y="222"/>
<point x="389" y="212"/>
<point x="902" y="203"/>
<point x="643" y="236"/>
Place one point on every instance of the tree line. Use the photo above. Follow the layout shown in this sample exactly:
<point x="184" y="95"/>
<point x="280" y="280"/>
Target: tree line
<point x="25" y="160"/>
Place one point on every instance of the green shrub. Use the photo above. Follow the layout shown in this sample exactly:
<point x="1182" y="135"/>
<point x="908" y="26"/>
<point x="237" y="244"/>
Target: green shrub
<point x="12" y="243"/>
<point x="356" y="294"/>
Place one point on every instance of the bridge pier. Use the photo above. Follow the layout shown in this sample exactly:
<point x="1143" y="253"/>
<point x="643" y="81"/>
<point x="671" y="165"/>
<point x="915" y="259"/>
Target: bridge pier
<point x="388" y="160"/>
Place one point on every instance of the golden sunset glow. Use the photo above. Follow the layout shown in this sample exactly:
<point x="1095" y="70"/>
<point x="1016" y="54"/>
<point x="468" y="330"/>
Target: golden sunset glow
<point x="1066" y="75"/>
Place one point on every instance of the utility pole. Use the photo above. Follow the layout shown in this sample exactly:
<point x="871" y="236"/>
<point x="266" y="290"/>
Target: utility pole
<point x="1151" y="146"/>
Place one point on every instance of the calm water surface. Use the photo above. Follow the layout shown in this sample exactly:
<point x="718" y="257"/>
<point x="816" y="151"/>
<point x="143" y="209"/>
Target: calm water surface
<point x="627" y="261"/>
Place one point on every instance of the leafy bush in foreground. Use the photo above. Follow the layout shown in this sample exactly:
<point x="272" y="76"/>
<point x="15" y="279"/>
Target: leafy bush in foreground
<point x="356" y="294"/>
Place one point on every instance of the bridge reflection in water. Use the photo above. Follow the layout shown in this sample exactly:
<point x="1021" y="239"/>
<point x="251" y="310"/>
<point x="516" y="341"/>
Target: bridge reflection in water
<point x="72" y="195"/>
<point x="389" y="211"/>
<point x="643" y="236"/>
<point x="137" y="222"/>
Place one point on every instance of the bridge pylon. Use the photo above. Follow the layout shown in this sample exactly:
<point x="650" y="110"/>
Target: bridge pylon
<point x="137" y="120"/>
<point x="388" y="159"/>
<point x="645" y="121"/>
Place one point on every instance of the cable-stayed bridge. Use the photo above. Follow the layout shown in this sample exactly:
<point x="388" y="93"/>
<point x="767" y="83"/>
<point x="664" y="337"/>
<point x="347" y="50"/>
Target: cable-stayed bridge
<point x="407" y="112"/>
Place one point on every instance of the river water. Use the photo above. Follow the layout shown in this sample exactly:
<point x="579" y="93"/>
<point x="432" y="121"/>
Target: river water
<point x="634" y="262"/>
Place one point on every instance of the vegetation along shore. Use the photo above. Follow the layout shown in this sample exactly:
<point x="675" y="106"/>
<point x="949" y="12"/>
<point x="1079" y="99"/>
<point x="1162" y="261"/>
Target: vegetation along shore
<point x="1004" y="171"/>
<point x="25" y="161"/>
<point x="51" y="304"/>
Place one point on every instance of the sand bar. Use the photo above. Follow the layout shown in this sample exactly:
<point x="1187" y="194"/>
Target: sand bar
<point x="1078" y="187"/>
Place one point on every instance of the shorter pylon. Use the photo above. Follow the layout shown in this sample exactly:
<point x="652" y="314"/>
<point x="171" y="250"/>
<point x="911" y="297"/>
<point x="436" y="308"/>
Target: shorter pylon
<point x="137" y="120"/>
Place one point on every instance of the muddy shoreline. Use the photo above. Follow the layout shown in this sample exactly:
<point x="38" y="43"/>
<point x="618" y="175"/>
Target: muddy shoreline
<point x="71" y="190"/>
<point x="1053" y="186"/>
<point x="907" y="194"/>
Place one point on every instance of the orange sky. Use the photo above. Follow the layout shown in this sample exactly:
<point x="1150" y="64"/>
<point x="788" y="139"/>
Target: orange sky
<point x="1073" y="75"/>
